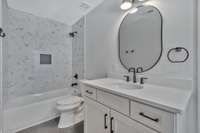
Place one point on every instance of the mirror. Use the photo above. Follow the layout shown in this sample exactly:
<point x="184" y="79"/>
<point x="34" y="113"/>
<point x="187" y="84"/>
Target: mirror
<point x="140" y="39"/>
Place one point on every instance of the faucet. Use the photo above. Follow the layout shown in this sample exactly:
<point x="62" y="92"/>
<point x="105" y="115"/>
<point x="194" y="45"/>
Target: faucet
<point x="127" y="78"/>
<point x="134" y="74"/>
<point x="142" y="80"/>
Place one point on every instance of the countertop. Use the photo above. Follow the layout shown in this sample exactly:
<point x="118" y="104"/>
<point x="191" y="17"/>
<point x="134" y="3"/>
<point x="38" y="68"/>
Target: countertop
<point x="170" y="99"/>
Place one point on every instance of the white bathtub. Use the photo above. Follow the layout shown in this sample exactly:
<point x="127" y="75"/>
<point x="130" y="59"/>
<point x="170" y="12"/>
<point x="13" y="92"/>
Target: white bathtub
<point x="28" y="111"/>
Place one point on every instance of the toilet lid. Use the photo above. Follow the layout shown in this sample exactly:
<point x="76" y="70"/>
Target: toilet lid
<point x="71" y="100"/>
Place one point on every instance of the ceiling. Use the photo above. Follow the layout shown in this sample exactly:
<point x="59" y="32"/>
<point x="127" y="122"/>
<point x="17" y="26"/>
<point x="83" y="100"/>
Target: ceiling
<point x="65" y="11"/>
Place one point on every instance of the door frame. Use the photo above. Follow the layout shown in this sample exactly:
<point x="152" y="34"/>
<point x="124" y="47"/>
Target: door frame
<point x="197" y="60"/>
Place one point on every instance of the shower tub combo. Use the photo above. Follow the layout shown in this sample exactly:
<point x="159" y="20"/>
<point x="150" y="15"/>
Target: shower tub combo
<point x="29" y="111"/>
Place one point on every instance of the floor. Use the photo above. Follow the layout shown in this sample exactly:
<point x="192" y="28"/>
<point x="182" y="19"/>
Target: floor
<point x="51" y="127"/>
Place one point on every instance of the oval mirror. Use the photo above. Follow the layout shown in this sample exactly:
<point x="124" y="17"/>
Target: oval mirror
<point x="140" y="39"/>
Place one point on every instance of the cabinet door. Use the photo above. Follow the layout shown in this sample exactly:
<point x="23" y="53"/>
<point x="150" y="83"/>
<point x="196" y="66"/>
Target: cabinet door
<point x="122" y="124"/>
<point x="96" y="117"/>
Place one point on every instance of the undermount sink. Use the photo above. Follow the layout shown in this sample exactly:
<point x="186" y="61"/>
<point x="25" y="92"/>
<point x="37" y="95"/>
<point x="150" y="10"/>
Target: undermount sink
<point x="128" y="86"/>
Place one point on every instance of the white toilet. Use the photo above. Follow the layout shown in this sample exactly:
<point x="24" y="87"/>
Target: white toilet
<point x="71" y="109"/>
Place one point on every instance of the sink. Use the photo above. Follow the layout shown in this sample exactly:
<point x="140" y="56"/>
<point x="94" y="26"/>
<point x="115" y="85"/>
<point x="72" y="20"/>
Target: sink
<point x="128" y="86"/>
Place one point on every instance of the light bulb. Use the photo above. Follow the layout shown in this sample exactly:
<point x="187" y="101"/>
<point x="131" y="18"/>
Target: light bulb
<point x="126" y="5"/>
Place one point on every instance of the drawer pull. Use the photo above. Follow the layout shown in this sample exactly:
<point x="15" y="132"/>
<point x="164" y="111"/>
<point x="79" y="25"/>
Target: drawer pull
<point x="111" y="125"/>
<point x="89" y="92"/>
<point x="105" y="119"/>
<point x="148" y="117"/>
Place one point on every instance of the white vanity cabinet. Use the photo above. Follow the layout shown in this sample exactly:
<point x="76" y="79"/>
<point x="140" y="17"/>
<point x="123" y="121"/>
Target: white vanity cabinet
<point x="97" y="117"/>
<point x="106" y="112"/>
<point x="102" y="119"/>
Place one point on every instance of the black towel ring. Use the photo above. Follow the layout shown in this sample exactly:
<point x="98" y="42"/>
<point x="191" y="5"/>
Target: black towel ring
<point x="178" y="49"/>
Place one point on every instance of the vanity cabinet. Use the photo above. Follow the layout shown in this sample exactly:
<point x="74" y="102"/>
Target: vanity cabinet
<point x="97" y="117"/>
<point x="101" y="119"/>
<point x="110" y="113"/>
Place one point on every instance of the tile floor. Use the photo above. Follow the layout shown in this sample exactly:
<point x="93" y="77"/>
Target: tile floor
<point x="51" y="127"/>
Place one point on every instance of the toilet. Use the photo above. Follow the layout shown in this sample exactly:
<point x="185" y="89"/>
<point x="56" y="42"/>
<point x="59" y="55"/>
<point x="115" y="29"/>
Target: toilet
<point x="71" y="111"/>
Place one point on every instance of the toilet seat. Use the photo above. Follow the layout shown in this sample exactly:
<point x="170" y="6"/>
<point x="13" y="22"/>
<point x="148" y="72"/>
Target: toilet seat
<point x="69" y="101"/>
<point x="68" y="107"/>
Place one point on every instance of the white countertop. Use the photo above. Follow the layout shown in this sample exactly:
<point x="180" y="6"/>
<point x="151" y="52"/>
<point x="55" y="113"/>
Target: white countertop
<point x="167" y="98"/>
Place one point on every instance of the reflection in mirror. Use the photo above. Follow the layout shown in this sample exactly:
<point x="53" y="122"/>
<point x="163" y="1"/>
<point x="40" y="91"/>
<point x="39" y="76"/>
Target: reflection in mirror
<point x="140" y="39"/>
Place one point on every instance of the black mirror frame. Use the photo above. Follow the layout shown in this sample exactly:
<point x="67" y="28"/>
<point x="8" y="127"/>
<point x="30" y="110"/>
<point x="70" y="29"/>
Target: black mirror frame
<point x="161" y="41"/>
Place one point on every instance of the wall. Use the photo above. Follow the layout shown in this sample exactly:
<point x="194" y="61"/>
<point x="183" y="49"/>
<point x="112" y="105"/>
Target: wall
<point x="29" y="36"/>
<point x="178" y="30"/>
<point x="97" y="41"/>
<point x="78" y="52"/>
<point x="1" y="72"/>
<point x="66" y="11"/>
<point x="102" y="29"/>
<point x="198" y="61"/>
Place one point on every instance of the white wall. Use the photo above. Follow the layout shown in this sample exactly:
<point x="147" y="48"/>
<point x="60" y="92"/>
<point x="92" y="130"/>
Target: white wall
<point x="78" y="53"/>
<point x="1" y="89"/>
<point x="178" y="30"/>
<point x="27" y="37"/>
<point x="65" y="11"/>
<point x="102" y="29"/>
<point x="198" y="63"/>
<point x="97" y="42"/>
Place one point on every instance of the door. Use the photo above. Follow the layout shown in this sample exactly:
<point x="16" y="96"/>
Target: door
<point x="122" y="124"/>
<point x="96" y="117"/>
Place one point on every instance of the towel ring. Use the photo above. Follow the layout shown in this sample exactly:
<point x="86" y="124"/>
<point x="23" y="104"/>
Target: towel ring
<point x="178" y="49"/>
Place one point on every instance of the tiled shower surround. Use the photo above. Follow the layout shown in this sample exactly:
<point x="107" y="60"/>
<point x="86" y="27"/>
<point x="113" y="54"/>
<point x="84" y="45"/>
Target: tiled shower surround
<point x="28" y="36"/>
<point x="78" y="52"/>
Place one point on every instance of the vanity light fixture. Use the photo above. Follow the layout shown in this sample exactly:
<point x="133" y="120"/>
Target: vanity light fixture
<point x="134" y="10"/>
<point x="142" y="0"/>
<point x="150" y="3"/>
<point x="126" y="4"/>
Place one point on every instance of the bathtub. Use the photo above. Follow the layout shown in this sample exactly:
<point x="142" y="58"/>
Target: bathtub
<point x="28" y="111"/>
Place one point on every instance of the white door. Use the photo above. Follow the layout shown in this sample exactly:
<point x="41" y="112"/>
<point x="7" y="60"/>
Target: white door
<point x="122" y="124"/>
<point x="96" y="117"/>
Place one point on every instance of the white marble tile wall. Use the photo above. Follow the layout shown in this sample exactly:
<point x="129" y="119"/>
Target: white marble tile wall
<point x="29" y="36"/>
<point x="78" y="52"/>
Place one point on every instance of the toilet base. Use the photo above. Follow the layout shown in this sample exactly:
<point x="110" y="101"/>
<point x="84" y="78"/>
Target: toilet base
<point x="71" y="118"/>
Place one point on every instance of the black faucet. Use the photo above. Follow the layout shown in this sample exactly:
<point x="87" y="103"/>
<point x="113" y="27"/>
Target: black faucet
<point x="133" y="70"/>
<point x="74" y="84"/>
<point x="142" y="80"/>
<point x="127" y="78"/>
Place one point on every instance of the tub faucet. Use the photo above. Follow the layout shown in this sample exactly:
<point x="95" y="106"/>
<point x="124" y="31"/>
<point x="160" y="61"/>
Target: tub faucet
<point x="74" y="84"/>
<point x="133" y="70"/>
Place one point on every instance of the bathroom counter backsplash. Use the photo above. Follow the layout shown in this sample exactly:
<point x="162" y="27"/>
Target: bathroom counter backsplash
<point x="168" y="98"/>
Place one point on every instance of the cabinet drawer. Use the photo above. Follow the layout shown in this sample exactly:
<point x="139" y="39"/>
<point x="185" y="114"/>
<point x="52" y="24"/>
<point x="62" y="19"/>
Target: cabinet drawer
<point x="89" y="92"/>
<point x="157" y="119"/>
<point x="123" y="124"/>
<point x="116" y="102"/>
